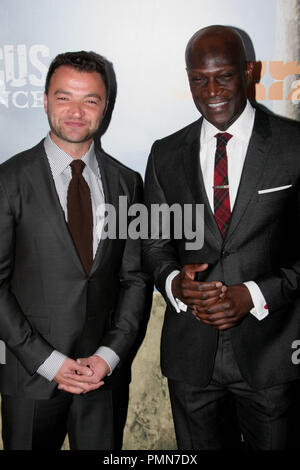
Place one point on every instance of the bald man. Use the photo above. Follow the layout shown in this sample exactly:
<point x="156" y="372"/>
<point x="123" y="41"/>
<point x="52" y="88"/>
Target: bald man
<point x="233" y="308"/>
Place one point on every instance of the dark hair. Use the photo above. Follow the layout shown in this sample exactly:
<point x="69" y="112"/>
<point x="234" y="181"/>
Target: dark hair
<point x="82" y="60"/>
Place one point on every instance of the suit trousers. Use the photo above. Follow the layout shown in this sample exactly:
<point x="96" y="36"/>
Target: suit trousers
<point x="229" y="414"/>
<point x="93" y="421"/>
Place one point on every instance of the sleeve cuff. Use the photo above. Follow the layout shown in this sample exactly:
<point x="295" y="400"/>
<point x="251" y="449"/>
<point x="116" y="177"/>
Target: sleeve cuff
<point x="176" y="303"/>
<point x="51" y="365"/>
<point x="109" y="356"/>
<point x="260" y="309"/>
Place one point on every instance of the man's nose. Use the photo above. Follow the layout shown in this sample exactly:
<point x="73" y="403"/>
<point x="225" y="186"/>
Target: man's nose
<point x="76" y="109"/>
<point x="212" y="88"/>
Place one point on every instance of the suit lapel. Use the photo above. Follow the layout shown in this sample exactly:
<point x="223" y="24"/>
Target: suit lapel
<point x="252" y="172"/>
<point x="41" y="180"/>
<point x="110" y="181"/>
<point x="253" y="169"/>
<point x="194" y="179"/>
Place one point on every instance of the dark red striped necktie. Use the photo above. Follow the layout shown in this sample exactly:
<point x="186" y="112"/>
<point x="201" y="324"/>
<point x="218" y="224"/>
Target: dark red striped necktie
<point x="221" y="187"/>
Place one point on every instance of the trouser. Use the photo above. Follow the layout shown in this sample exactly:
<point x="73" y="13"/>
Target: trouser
<point x="229" y="414"/>
<point x="93" y="421"/>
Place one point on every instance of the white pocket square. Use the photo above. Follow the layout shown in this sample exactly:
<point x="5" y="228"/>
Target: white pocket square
<point x="272" y="190"/>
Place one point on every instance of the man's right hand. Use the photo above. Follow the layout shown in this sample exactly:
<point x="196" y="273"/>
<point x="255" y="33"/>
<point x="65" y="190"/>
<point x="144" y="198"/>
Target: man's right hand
<point x="70" y="385"/>
<point x="191" y="292"/>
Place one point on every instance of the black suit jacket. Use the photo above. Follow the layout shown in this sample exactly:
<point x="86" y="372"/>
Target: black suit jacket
<point x="261" y="244"/>
<point x="46" y="300"/>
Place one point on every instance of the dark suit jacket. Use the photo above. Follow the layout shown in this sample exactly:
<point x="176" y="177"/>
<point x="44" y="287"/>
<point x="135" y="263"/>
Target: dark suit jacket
<point x="46" y="300"/>
<point x="262" y="244"/>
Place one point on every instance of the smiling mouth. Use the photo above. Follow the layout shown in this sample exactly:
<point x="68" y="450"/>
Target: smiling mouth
<point x="74" y="123"/>
<point x="217" y="105"/>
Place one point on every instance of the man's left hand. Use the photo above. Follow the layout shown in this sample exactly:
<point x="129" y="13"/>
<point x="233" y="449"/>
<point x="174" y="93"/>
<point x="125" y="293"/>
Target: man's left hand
<point x="228" y="311"/>
<point x="99" y="367"/>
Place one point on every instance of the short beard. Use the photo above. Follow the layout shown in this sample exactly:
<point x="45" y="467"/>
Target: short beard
<point x="60" y="134"/>
<point x="64" y="137"/>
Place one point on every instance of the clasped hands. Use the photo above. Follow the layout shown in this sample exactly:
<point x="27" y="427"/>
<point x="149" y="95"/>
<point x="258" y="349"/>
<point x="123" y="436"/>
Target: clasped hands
<point x="212" y="302"/>
<point x="82" y="375"/>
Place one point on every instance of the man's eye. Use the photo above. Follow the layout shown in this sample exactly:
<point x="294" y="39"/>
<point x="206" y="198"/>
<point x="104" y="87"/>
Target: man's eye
<point x="62" y="98"/>
<point x="226" y="76"/>
<point x="198" y="80"/>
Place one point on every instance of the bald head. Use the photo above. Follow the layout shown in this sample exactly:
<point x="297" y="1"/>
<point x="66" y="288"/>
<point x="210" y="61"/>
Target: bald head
<point x="218" y="74"/>
<point x="212" y="41"/>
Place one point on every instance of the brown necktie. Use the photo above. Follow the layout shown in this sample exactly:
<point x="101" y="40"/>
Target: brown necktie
<point x="80" y="214"/>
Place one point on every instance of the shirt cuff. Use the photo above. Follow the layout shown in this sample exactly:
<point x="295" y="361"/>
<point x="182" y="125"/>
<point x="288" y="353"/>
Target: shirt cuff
<point x="109" y="356"/>
<point x="51" y="365"/>
<point x="177" y="304"/>
<point x="260" y="309"/>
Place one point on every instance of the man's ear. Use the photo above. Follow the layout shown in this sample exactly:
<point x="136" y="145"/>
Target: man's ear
<point x="249" y="72"/>
<point x="45" y="102"/>
<point x="105" y="108"/>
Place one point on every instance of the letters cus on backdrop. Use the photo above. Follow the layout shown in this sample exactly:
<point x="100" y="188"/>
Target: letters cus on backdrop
<point x="22" y="75"/>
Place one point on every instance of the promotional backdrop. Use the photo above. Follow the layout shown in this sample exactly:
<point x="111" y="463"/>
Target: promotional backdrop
<point x="144" y="39"/>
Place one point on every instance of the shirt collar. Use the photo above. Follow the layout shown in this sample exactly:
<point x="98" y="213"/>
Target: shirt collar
<point x="91" y="161"/>
<point x="241" y="128"/>
<point x="59" y="160"/>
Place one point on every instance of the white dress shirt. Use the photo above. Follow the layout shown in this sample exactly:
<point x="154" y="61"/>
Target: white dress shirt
<point x="237" y="146"/>
<point x="59" y="162"/>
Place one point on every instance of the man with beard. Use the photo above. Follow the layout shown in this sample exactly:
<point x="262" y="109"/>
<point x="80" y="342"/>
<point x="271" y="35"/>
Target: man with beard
<point x="233" y="309"/>
<point x="65" y="294"/>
